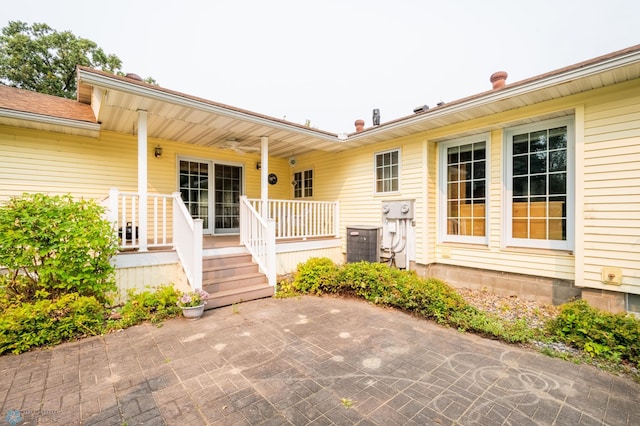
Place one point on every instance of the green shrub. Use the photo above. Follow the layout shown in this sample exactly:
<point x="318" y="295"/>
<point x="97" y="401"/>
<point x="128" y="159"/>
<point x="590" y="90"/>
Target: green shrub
<point x="316" y="276"/>
<point x="48" y="322"/>
<point x="53" y="245"/>
<point x="153" y="305"/>
<point x="428" y="297"/>
<point x="600" y="334"/>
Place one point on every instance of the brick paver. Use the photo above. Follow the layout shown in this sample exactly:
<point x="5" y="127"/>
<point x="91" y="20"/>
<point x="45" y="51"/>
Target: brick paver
<point x="306" y="360"/>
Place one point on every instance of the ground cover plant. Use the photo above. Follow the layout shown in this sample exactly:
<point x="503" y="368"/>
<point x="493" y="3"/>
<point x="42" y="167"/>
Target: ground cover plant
<point x="28" y="325"/>
<point x="427" y="297"/>
<point x="611" y="339"/>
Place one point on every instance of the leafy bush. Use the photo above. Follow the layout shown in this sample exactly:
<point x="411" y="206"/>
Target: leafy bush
<point x="600" y="334"/>
<point x="154" y="306"/>
<point x="53" y="245"/>
<point x="428" y="297"/>
<point x="316" y="276"/>
<point x="48" y="322"/>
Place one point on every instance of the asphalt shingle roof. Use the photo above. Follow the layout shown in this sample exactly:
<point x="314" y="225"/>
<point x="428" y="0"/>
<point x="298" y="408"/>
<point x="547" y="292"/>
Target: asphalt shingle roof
<point x="15" y="99"/>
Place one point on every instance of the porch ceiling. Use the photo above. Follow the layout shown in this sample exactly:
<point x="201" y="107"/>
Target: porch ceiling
<point x="180" y="117"/>
<point x="168" y="121"/>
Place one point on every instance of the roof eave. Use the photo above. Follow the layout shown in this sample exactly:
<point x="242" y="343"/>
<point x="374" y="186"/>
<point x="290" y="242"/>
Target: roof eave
<point x="87" y="128"/>
<point x="86" y="76"/>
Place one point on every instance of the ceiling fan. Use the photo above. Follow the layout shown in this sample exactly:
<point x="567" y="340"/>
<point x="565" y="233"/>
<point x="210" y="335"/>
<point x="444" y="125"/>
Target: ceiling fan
<point x="234" y="145"/>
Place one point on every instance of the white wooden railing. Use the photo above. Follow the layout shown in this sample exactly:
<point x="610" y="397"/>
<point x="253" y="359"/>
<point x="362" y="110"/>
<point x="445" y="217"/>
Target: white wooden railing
<point x="301" y="219"/>
<point x="187" y="237"/>
<point x="168" y="224"/>
<point x="123" y="211"/>
<point x="258" y="235"/>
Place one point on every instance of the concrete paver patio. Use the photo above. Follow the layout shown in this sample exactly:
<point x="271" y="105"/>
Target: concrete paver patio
<point x="305" y="361"/>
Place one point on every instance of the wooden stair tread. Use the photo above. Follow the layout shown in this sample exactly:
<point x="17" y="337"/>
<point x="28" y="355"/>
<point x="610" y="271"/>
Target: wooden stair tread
<point x="224" y="267"/>
<point x="249" y="289"/>
<point x="236" y="278"/>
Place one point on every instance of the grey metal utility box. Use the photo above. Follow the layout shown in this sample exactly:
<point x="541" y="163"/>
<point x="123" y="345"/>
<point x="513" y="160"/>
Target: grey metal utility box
<point x="363" y="243"/>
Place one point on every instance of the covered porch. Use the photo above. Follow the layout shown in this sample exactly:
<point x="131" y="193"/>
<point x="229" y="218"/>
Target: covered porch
<point x="168" y="209"/>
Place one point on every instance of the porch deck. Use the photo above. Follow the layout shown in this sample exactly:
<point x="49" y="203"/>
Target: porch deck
<point x="220" y="241"/>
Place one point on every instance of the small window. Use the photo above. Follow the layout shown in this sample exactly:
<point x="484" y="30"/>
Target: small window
<point x="464" y="189"/>
<point x="539" y="180"/>
<point x="303" y="184"/>
<point x="633" y="303"/>
<point x="387" y="171"/>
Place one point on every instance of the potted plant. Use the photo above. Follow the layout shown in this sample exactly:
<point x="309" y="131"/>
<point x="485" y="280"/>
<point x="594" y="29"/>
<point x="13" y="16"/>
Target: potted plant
<point x="192" y="304"/>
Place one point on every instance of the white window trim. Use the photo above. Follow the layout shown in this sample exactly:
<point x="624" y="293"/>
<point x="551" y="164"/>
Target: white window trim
<point x="293" y="179"/>
<point x="509" y="241"/>
<point x="443" y="237"/>
<point x="375" y="169"/>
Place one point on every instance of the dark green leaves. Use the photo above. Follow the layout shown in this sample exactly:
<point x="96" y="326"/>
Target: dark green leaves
<point x="41" y="59"/>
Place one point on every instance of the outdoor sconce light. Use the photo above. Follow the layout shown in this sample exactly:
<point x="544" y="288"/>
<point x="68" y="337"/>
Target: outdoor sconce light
<point x="157" y="151"/>
<point x="258" y="165"/>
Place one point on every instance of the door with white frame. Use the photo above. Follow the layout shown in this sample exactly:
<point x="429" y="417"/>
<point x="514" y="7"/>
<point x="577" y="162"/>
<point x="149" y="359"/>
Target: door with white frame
<point x="211" y="191"/>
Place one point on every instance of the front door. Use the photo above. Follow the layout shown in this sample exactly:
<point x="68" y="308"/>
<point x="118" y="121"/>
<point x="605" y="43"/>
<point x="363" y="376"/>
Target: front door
<point x="211" y="192"/>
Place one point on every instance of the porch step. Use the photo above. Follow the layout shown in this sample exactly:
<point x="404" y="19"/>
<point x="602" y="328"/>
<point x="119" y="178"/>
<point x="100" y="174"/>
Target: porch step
<point x="233" y="278"/>
<point x="239" y="295"/>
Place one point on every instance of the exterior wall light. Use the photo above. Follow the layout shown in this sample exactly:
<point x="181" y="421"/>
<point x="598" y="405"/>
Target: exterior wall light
<point x="157" y="151"/>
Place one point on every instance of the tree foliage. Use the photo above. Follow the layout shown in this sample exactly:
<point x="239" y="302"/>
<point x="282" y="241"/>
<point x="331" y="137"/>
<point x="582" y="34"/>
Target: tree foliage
<point x="44" y="60"/>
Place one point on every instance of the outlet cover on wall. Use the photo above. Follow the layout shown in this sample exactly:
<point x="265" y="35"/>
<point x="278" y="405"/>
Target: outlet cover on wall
<point x="611" y="276"/>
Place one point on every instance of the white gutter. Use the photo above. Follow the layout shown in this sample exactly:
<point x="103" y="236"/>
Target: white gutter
<point x="47" y="119"/>
<point x="105" y="82"/>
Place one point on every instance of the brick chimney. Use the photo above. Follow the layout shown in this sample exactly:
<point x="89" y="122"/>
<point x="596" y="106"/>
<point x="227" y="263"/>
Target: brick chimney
<point x="359" y="125"/>
<point x="498" y="79"/>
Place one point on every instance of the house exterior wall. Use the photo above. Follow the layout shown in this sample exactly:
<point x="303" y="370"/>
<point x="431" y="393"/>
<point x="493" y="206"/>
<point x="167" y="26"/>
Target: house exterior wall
<point x="607" y="196"/>
<point x="606" y="222"/>
<point x="611" y="179"/>
<point x="349" y="178"/>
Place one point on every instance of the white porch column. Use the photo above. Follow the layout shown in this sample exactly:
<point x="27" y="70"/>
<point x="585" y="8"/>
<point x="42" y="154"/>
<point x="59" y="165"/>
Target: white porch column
<point x="264" y="175"/>
<point x="142" y="180"/>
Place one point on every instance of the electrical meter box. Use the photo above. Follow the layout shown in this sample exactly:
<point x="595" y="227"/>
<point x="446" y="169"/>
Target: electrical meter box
<point x="401" y="209"/>
<point x="363" y="243"/>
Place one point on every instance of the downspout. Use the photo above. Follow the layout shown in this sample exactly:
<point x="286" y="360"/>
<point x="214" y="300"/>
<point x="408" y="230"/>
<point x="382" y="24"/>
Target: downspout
<point x="142" y="180"/>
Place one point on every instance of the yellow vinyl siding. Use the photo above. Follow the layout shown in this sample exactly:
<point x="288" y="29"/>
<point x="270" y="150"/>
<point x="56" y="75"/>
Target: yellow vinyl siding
<point x="430" y="195"/>
<point x="349" y="178"/>
<point x="36" y="161"/>
<point x="60" y="164"/>
<point x="611" y="183"/>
